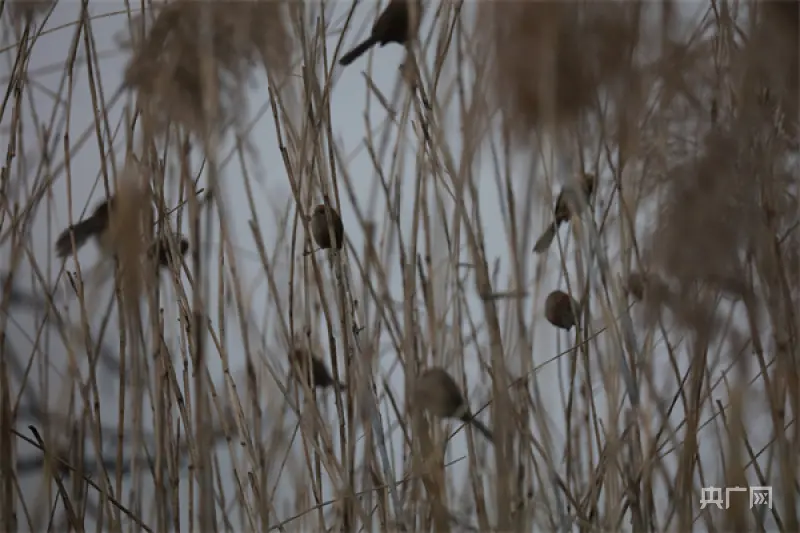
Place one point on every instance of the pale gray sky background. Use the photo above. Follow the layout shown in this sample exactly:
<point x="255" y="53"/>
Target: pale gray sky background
<point x="274" y="197"/>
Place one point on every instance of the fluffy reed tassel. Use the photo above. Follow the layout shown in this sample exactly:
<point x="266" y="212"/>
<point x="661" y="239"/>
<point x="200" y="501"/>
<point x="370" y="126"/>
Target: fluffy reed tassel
<point x="166" y="71"/>
<point x="549" y="58"/>
<point x="772" y="78"/>
<point x="130" y="229"/>
<point x="27" y="10"/>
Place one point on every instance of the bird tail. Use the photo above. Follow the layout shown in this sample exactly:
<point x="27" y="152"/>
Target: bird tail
<point x="358" y="51"/>
<point x="477" y="424"/>
<point x="546" y="239"/>
<point x="82" y="231"/>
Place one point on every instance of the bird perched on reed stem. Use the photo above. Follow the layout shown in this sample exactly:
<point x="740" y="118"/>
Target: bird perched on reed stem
<point x="97" y="225"/>
<point x="635" y="285"/>
<point x="567" y="204"/>
<point x="162" y="247"/>
<point x="324" y="221"/>
<point x="437" y="392"/>
<point x="394" y="25"/>
<point x="315" y="375"/>
<point x="561" y="310"/>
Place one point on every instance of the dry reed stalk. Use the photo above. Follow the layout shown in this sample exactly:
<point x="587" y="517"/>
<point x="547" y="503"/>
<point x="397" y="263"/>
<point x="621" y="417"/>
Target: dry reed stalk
<point x="165" y="67"/>
<point x="551" y="58"/>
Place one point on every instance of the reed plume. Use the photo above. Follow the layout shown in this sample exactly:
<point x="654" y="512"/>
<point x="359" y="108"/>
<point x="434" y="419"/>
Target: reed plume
<point x="166" y="68"/>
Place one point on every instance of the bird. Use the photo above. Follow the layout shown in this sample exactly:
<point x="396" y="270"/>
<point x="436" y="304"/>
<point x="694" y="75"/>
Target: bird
<point x="636" y="285"/>
<point x="161" y="247"/>
<point x="97" y="226"/>
<point x="567" y="204"/>
<point x="561" y="310"/>
<point x="392" y="26"/>
<point x="437" y="392"/>
<point x="93" y="226"/>
<point x="320" y="377"/>
<point x="320" y="228"/>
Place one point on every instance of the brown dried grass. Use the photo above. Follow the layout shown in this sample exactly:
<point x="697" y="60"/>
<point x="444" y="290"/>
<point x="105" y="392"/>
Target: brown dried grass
<point x="722" y="205"/>
<point x="166" y="67"/>
<point x="710" y="212"/>
<point x="774" y="50"/>
<point x="551" y="58"/>
<point x="25" y="10"/>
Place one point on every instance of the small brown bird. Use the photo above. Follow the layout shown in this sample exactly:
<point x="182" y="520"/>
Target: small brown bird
<point x="567" y="204"/>
<point x="437" y="392"/>
<point x="93" y="226"/>
<point x="321" y="231"/>
<point x="561" y="310"/>
<point x="97" y="226"/>
<point x="161" y="247"/>
<point x="319" y="376"/>
<point x="392" y="26"/>
<point x="635" y="285"/>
